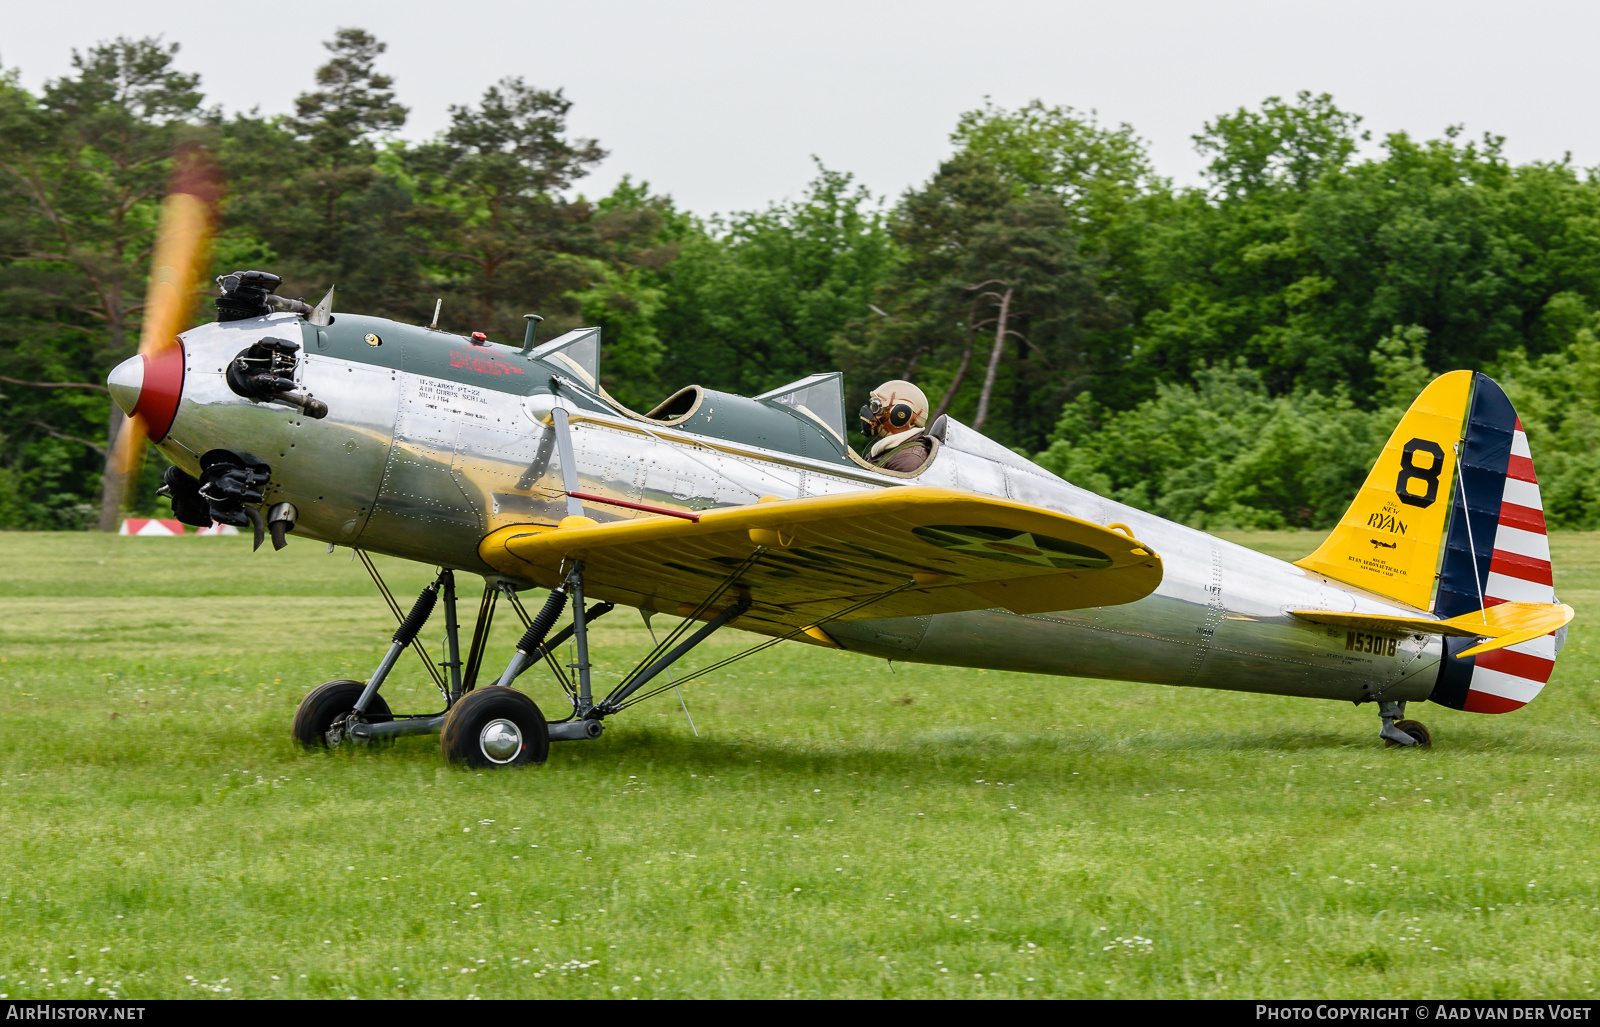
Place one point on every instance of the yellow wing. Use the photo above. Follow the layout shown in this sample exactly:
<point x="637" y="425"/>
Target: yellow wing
<point x="961" y="550"/>
<point x="1502" y="624"/>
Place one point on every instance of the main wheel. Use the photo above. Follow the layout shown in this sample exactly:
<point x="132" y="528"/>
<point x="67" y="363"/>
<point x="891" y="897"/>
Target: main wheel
<point x="1416" y="729"/>
<point x="325" y="705"/>
<point x="495" y="727"/>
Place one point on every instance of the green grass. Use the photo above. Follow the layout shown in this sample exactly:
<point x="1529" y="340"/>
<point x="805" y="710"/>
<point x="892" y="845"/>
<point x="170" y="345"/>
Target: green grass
<point x="840" y="828"/>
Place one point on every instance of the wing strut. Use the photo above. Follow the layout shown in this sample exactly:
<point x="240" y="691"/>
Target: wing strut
<point x="728" y="581"/>
<point x="586" y="713"/>
<point x="619" y="695"/>
<point x="569" y="468"/>
<point x="654" y="661"/>
<point x="614" y="706"/>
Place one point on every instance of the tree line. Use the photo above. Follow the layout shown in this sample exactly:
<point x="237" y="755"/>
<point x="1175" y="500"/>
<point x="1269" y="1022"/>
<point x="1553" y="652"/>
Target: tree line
<point x="1230" y="354"/>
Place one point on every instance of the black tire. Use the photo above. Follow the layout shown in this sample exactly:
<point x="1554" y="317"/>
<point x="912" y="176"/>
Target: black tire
<point x="513" y="717"/>
<point x="327" y="703"/>
<point x="1416" y="729"/>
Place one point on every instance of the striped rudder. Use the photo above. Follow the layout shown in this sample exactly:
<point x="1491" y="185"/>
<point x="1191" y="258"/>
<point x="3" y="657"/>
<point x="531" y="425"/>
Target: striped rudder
<point x="1496" y="551"/>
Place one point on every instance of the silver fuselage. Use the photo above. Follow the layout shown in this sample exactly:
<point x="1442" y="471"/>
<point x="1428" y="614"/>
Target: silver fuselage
<point x="419" y="467"/>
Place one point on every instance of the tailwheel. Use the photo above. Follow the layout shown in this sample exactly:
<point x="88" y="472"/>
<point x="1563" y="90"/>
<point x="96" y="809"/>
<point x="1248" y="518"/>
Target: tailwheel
<point x="318" y="723"/>
<point x="495" y="727"/>
<point x="1416" y="729"/>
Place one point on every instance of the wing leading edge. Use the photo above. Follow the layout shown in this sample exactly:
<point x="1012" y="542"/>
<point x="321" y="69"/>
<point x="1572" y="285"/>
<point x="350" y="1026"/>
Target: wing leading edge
<point x="948" y="551"/>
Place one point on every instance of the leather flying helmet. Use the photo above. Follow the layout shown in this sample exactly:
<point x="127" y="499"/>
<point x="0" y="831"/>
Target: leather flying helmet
<point x="894" y="407"/>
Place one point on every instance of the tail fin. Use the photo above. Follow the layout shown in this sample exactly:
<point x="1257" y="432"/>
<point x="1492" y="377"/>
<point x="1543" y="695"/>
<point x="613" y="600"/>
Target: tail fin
<point x="1450" y="520"/>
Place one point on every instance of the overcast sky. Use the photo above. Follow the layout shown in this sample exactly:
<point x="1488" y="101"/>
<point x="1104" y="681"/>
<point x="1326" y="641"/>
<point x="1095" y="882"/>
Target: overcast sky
<point x="723" y="104"/>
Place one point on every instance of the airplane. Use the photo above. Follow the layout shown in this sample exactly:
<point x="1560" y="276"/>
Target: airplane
<point x="513" y="463"/>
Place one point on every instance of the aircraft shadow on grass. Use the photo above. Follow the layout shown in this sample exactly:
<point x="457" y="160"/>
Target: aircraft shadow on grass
<point x="937" y="750"/>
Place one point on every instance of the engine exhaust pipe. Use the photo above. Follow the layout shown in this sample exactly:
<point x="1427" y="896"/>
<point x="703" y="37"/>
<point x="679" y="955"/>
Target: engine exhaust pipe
<point x="280" y="521"/>
<point x="314" y="408"/>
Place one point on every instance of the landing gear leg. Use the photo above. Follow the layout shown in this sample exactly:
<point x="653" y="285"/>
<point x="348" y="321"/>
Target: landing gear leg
<point x="1398" y="732"/>
<point x="452" y="635"/>
<point x="580" y="635"/>
<point x="336" y="709"/>
<point x="420" y="612"/>
<point x="499" y="726"/>
<point x="353" y="709"/>
<point x="443" y="587"/>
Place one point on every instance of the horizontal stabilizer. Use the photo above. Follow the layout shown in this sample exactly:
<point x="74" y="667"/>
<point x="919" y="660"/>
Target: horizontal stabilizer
<point x="1502" y="625"/>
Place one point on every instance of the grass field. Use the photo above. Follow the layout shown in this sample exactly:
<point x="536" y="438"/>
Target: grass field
<point x="840" y="828"/>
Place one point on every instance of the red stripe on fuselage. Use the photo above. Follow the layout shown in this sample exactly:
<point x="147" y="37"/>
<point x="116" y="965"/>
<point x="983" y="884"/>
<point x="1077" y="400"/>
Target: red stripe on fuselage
<point x="1521" y="468"/>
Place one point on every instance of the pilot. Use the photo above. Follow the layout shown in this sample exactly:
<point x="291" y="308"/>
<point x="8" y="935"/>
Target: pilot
<point x="895" y="415"/>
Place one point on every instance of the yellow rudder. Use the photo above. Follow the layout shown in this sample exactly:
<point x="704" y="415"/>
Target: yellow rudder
<point x="1389" y="541"/>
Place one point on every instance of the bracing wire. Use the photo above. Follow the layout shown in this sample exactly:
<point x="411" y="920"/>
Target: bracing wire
<point x="681" y="701"/>
<point x="1466" y="512"/>
<point x="705" y="604"/>
<point x="556" y="670"/>
<point x="762" y="646"/>
<point x="399" y="616"/>
<point x="480" y="635"/>
<point x="516" y="604"/>
<point x="559" y="672"/>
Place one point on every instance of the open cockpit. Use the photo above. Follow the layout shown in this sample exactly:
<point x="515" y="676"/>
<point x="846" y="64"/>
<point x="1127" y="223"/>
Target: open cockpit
<point x="804" y="418"/>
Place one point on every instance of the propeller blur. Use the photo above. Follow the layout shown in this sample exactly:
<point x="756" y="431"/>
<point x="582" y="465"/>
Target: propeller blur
<point x="146" y="386"/>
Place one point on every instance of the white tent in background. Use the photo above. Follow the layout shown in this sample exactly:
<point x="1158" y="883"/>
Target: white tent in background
<point x="217" y="529"/>
<point x="150" y="526"/>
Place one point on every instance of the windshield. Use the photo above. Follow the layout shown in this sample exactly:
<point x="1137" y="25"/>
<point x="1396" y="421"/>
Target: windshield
<point x="819" y="397"/>
<point x="577" y="351"/>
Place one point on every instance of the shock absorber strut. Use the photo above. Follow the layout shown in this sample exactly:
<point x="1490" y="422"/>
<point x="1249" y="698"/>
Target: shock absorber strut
<point x="403" y="635"/>
<point x="529" y="648"/>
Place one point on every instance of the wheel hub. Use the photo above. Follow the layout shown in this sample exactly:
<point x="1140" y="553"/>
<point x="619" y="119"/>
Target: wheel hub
<point x="338" y="730"/>
<point x="500" y="741"/>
